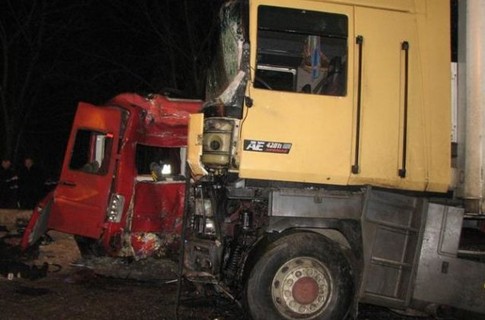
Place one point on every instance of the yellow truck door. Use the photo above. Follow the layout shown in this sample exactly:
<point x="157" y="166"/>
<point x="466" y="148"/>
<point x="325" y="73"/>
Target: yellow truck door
<point x="299" y="127"/>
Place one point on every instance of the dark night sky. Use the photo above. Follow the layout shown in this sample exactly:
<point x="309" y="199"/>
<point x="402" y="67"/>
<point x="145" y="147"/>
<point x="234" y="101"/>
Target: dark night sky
<point x="62" y="52"/>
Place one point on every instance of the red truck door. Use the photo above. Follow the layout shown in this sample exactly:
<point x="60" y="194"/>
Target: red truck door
<point x="83" y="192"/>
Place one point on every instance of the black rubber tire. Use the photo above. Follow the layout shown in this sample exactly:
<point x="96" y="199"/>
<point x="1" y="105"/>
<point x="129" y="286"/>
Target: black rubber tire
<point x="89" y="247"/>
<point x="260" y="298"/>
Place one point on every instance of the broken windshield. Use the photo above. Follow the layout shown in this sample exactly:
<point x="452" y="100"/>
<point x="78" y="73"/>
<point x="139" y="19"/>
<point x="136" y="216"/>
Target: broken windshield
<point x="225" y="76"/>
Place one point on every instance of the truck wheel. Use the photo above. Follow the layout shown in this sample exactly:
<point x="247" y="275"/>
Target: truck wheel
<point x="88" y="247"/>
<point x="300" y="276"/>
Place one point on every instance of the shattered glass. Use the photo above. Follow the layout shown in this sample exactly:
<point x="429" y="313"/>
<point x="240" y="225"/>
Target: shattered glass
<point x="225" y="75"/>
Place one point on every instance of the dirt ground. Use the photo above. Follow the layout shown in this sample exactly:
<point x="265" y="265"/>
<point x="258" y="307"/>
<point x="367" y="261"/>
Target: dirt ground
<point x="70" y="290"/>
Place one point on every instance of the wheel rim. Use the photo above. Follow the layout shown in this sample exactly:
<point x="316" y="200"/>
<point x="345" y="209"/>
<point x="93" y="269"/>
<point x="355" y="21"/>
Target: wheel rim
<point x="301" y="288"/>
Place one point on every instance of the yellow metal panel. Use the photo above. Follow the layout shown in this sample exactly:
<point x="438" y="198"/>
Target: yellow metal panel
<point x="194" y="144"/>
<point x="429" y="123"/>
<point x="434" y="26"/>
<point x="383" y="101"/>
<point x="398" y="5"/>
<point x="318" y="127"/>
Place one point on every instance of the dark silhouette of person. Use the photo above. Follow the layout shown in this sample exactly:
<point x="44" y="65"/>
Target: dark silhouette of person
<point x="31" y="184"/>
<point x="8" y="185"/>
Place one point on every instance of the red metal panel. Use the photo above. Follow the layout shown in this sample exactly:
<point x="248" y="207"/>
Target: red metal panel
<point x="38" y="222"/>
<point x="158" y="207"/>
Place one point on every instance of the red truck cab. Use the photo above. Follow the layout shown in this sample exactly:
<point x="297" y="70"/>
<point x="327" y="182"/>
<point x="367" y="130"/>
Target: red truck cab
<point x="122" y="185"/>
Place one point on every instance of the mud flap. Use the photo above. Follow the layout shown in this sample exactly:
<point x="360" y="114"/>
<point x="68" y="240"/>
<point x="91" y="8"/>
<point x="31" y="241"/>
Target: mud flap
<point x="38" y="222"/>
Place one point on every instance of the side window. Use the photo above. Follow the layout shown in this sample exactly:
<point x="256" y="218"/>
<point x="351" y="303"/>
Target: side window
<point x="160" y="163"/>
<point x="91" y="152"/>
<point x="301" y="51"/>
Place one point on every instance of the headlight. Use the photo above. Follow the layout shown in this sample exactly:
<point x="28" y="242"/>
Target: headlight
<point x="115" y="208"/>
<point x="204" y="218"/>
<point x="203" y="207"/>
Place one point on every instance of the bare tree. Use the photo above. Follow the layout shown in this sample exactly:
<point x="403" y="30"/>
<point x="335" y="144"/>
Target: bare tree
<point x="31" y="34"/>
<point x="181" y="33"/>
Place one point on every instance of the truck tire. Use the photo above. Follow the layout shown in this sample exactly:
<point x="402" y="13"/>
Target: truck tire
<point x="89" y="248"/>
<point x="300" y="276"/>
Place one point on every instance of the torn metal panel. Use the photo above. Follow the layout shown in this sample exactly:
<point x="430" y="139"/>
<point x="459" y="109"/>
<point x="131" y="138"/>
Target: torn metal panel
<point x="165" y="120"/>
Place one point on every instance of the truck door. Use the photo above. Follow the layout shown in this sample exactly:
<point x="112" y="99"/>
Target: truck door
<point x="81" y="198"/>
<point x="300" y="125"/>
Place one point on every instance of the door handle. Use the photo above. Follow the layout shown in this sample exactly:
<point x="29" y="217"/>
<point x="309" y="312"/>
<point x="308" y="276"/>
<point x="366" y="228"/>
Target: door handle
<point x="67" y="183"/>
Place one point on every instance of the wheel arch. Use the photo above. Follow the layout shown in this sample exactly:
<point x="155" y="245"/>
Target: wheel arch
<point x="351" y="246"/>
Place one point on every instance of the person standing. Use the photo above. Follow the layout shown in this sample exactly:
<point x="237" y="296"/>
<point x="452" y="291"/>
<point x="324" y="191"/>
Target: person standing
<point x="8" y="185"/>
<point x="31" y="183"/>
